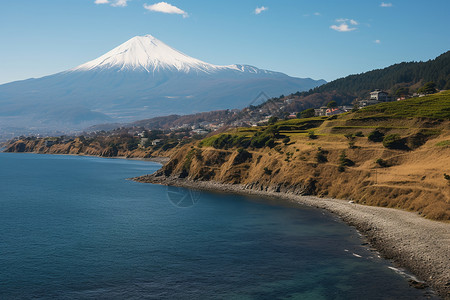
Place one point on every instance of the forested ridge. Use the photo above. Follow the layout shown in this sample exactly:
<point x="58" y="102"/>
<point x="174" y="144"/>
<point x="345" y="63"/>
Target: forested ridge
<point x="405" y="74"/>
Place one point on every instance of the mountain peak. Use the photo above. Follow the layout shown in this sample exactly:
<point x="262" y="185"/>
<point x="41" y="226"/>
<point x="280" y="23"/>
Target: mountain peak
<point x="149" y="54"/>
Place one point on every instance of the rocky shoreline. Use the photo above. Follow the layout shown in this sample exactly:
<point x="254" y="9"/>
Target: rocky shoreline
<point x="422" y="246"/>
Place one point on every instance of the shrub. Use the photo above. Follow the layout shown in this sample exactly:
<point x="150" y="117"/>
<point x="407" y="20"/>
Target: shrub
<point x="382" y="163"/>
<point x="267" y="171"/>
<point x="359" y="134"/>
<point x="321" y="155"/>
<point x="286" y="140"/>
<point x="394" y="141"/>
<point x="376" y="136"/>
<point x="312" y="135"/>
<point x="242" y="156"/>
<point x="349" y="136"/>
<point x="270" y="143"/>
<point x="344" y="161"/>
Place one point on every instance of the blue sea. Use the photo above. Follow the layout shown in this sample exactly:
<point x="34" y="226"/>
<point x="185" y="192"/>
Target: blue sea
<point x="76" y="228"/>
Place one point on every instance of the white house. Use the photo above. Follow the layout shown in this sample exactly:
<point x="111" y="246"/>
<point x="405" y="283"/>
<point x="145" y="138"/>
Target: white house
<point x="379" y="95"/>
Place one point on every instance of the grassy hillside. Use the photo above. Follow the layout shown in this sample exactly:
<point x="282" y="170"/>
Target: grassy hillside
<point x="436" y="106"/>
<point x="393" y="155"/>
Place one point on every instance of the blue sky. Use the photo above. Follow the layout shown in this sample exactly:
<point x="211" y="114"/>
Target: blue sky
<point x="320" y="39"/>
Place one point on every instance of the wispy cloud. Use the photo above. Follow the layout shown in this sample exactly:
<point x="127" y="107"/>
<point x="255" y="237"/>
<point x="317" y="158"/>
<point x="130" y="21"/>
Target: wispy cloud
<point x="120" y="3"/>
<point x="116" y="3"/>
<point x="317" y="14"/>
<point x="377" y="42"/>
<point x="344" y="25"/>
<point x="259" y="10"/>
<point x="386" y="4"/>
<point x="166" y="8"/>
<point x="351" y="21"/>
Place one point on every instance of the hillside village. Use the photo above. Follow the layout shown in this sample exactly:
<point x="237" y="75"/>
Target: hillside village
<point x="184" y="129"/>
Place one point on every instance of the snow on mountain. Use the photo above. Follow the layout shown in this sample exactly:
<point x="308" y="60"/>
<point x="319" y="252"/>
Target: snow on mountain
<point x="149" y="54"/>
<point x="141" y="78"/>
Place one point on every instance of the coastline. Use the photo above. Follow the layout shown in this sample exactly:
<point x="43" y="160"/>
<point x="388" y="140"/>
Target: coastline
<point x="420" y="245"/>
<point x="157" y="159"/>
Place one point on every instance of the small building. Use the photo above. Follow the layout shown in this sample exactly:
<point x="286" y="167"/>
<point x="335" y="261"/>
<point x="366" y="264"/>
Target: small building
<point x="334" y="111"/>
<point x="346" y="108"/>
<point x="379" y="95"/>
<point x="200" y="131"/>
<point x="319" y="112"/>
<point x="367" y="102"/>
<point x="289" y="101"/>
<point x="156" y="142"/>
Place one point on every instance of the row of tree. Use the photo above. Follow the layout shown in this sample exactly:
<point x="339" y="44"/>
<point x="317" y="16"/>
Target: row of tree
<point x="396" y="78"/>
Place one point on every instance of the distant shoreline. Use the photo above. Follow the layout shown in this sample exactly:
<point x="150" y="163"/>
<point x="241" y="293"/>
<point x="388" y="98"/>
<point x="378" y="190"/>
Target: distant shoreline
<point x="157" y="159"/>
<point x="411" y="241"/>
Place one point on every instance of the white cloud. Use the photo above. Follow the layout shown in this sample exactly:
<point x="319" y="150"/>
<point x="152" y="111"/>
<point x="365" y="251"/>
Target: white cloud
<point x="377" y="42"/>
<point x="317" y="14"/>
<point x="353" y="22"/>
<point x="115" y="3"/>
<point x="344" y="26"/>
<point x="259" y="10"/>
<point x="166" y="8"/>
<point x="386" y="4"/>
<point x="121" y="3"/>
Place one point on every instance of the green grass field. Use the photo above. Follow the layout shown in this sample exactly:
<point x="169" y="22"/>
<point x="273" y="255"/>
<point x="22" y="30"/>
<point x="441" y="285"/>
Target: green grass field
<point x="436" y="106"/>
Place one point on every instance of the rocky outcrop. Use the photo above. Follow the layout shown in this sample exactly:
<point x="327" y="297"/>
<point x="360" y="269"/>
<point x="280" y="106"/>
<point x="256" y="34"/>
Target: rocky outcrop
<point x="289" y="170"/>
<point x="74" y="147"/>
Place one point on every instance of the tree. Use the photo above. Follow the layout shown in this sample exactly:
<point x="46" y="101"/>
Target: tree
<point x="308" y="113"/>
<point x="332" y="104"/>
<point x="402" y="92"/>
<point x="272" y="120"/>
<point x="428" y="88"/>
<point x="376" y="136"/>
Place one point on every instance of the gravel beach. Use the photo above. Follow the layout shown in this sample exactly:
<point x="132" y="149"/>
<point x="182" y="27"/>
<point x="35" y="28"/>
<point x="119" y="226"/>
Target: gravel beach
<point x="422" y="246"/>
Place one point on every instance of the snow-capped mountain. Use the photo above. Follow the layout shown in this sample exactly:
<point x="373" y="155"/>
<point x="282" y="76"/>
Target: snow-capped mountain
<point x="146" y="53"/>
<point x="139" y="79"/>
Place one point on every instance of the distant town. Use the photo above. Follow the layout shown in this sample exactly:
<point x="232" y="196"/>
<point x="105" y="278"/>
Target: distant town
<point x="183" y="129"/>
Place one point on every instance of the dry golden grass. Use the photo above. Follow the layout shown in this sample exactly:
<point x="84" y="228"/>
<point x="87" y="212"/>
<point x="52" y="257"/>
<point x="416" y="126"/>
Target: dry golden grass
<point x="414" y="180"/>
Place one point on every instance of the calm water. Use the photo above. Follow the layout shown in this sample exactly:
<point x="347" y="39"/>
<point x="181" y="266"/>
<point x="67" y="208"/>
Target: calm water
<point x="74" y="228"/>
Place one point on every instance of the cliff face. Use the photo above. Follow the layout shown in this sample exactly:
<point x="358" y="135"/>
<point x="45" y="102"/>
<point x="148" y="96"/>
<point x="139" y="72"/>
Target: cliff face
<point x="328" y="166"/>
<point x="74" y="147"/>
